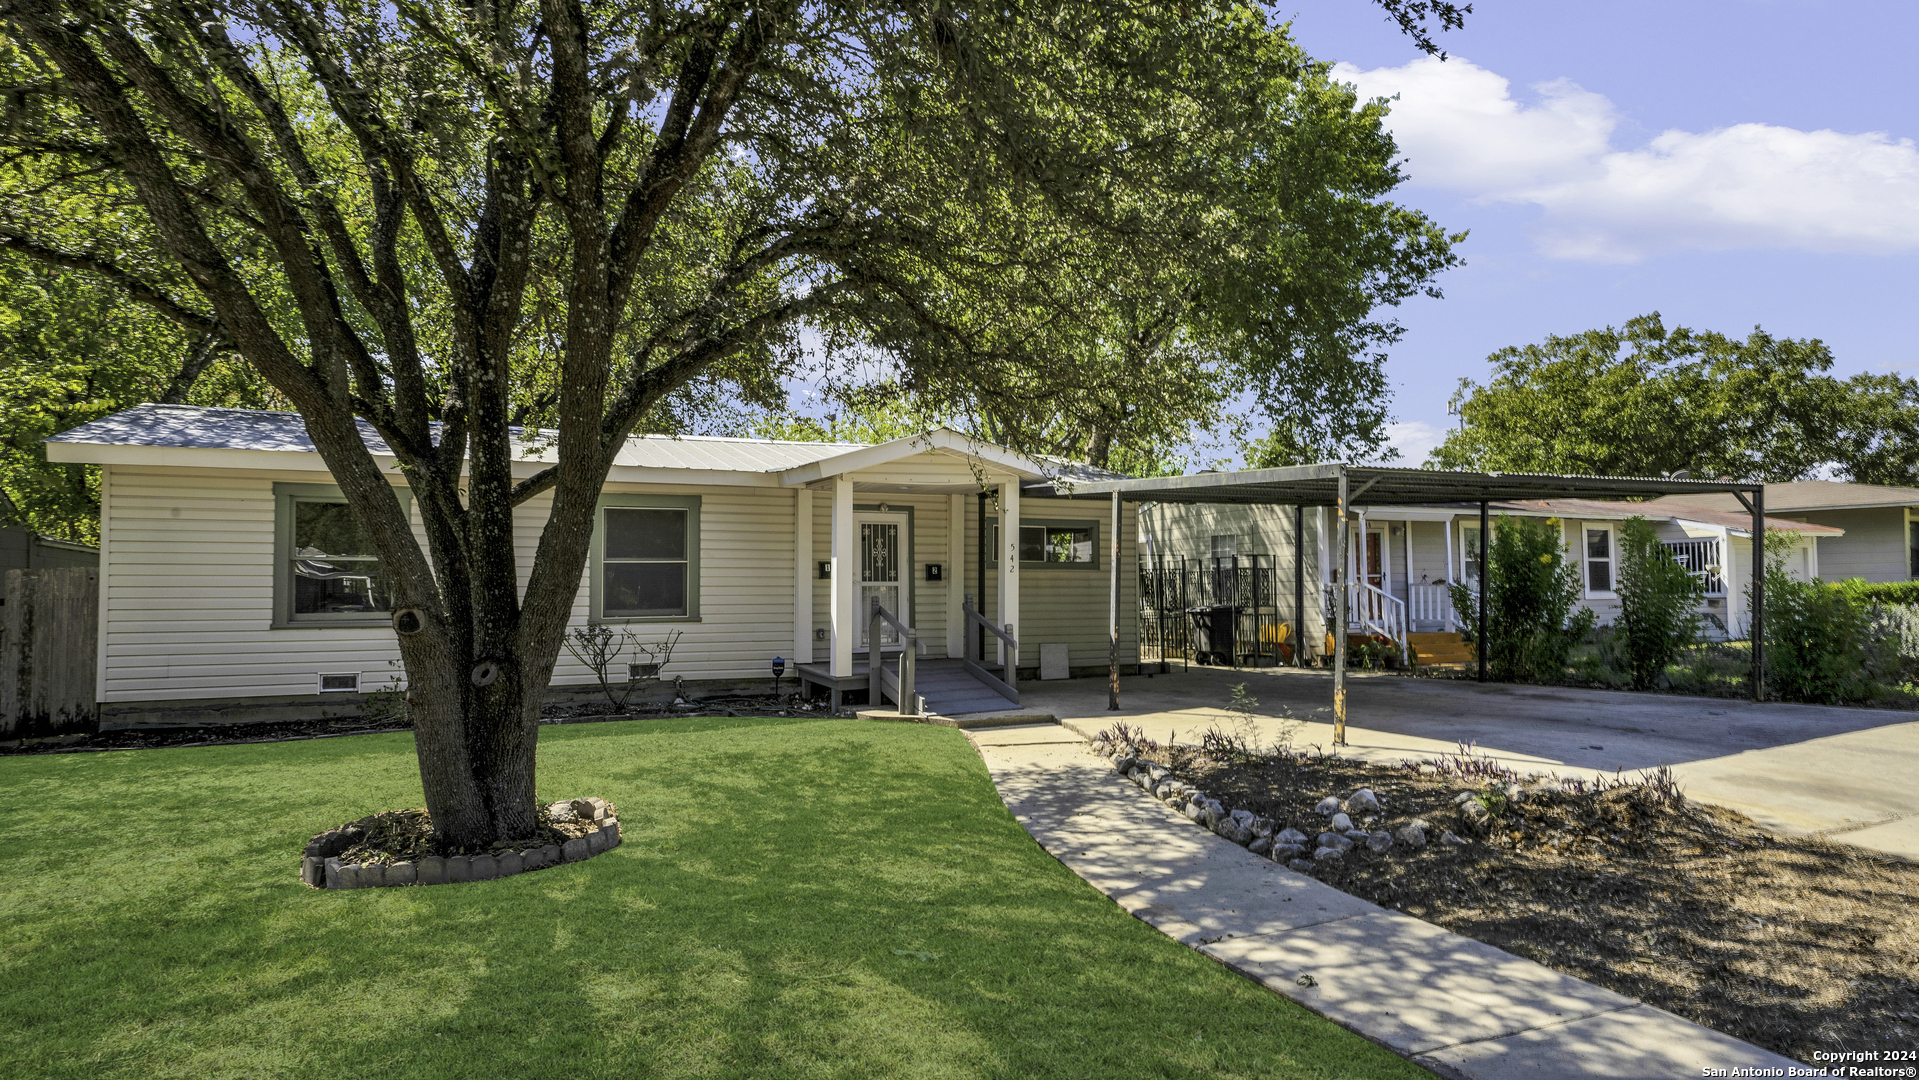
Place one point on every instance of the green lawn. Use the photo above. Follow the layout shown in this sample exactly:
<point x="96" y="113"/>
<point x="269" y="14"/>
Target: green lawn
<point x="794" y="898"/>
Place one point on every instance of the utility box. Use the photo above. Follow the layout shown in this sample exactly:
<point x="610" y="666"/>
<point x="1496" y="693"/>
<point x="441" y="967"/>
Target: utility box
<point x="1055" y="661"/>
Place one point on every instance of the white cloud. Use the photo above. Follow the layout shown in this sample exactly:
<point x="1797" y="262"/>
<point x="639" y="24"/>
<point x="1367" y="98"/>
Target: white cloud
<point x="1745" y="186"/>
<point x="1414" y="440"/>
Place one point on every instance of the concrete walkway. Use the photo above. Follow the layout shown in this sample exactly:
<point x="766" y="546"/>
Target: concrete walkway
<point x="1458" y="1007"/>
<point x="1795" y="769"/>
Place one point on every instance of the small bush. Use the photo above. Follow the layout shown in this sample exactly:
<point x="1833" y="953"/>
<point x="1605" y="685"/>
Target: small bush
<point x="1533" y="618"/>
<point x="1659" y="604"/>
<point x="1903" y="593"/>
<point x="1819" y="643"/>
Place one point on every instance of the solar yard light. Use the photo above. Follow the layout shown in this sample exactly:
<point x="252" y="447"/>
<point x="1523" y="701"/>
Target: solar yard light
<point x="779" y="668"/>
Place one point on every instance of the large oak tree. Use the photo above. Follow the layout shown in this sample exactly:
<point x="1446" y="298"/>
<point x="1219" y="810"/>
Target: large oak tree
<point x="442" y="218"/>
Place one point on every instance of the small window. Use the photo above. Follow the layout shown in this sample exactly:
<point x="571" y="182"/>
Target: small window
<point x="1224" y="547"/>
<point x="1469" y="547"/>
<point x="327" y="571"/>
<point x="1599" y="560"/>
<point x="644" y="567"/>
<point x="1073" y="543"/>
<point x="646" y="558"/>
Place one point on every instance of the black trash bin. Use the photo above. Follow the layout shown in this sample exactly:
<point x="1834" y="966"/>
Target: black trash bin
<point x="1214" y="633"/>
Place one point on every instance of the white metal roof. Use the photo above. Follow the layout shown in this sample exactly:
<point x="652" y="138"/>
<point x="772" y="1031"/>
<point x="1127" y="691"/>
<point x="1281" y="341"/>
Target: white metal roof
<point x="191" y="435"/>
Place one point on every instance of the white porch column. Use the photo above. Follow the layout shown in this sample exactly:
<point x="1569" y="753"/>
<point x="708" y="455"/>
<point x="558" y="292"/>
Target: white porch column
<point x="955" y="575"/>
<point x="803" y="576"/>
<point x="1008" y="610"/>
<point x="846" y="575"/>
<point x="1447" y="604"/>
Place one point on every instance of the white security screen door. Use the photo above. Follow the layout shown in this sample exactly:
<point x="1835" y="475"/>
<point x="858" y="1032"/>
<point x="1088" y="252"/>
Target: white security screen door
<point x="883" y="572"/>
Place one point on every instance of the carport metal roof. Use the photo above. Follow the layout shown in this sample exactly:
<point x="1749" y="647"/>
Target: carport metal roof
<point x="1372" y="485"/>
<point x="1346" y="487"/>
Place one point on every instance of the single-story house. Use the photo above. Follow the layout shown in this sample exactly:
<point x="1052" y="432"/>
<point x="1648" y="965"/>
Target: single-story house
<point x="1401" y="558"/>
<point x="233" y="587"/>
<point x="1881" y="541"/>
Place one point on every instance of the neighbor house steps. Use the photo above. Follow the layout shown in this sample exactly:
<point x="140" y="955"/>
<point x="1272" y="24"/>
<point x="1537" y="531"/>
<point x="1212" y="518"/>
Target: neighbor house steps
<point x="1442" y="650"/>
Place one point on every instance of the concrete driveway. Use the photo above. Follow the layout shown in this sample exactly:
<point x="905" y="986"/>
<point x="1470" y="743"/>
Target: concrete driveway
<point x="1849" y="774"/>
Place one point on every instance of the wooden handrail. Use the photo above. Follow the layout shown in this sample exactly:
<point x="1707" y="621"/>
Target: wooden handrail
<point x="975" y="664"/>
<point x="877" y="677"/>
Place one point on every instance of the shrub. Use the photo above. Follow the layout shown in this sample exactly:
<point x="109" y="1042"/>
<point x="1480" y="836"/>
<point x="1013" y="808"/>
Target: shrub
<point x="1903" y="593"/>
<point x="1532" y="591"/>
<point x="1659" y="604"/>
<point x="1819" y="641"/>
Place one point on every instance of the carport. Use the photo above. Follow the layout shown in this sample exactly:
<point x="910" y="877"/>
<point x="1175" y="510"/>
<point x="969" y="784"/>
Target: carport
<point x="1346" y="487"/>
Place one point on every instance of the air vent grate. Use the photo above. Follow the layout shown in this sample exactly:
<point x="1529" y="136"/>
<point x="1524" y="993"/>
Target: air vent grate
<point x="337" y="683"/>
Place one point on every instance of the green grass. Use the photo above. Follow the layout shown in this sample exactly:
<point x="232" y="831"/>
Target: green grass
<point x="804" y="898"/>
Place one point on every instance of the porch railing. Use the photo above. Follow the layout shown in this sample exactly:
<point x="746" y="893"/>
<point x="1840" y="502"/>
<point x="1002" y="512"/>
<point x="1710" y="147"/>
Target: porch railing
<point x="974" y="661"/>
<point x="1431" y="604"/>
<point x="1377" y="610"/>
<point x="1703" y="559"/>
<point x="879" y="680"/>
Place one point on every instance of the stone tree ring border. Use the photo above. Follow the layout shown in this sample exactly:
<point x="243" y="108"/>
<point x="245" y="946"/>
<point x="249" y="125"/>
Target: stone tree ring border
<point x="321" y="867"/>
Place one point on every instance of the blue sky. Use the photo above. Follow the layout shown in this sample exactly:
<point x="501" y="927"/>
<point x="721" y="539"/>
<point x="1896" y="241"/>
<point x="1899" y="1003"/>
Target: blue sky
<point x="1728" y="164"/>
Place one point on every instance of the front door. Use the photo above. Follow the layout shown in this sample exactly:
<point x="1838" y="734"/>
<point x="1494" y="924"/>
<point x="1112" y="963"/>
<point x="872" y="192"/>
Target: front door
<point x="883" y="573"/>
<point x="1376" y="558"/>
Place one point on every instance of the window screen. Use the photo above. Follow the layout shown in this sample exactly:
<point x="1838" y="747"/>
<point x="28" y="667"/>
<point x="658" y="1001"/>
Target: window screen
<point x="643" y="564"/>
<point x="334" y="569"/>
<point x="1598" y="560"/>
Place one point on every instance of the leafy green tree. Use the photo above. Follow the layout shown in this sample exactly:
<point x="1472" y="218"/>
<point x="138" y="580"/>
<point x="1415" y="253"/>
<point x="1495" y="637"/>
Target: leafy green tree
<point x="1533" y="617"/>
<point x="74" y="348"/>
<point x="441" y="219"/>
<point x="1645" y="401"/>
<point x="1658" y="600"/>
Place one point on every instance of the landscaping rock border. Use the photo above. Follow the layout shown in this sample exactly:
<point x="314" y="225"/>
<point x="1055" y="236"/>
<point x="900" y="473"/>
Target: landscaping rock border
<point x="321" y="868"/>
<point x="1263" y="836"/>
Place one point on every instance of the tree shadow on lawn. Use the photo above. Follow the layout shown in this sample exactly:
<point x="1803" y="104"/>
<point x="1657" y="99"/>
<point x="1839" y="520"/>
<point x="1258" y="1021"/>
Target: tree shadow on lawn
<point x="794" y="897"/>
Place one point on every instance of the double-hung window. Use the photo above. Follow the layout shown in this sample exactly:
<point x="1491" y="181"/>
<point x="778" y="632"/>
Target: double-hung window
<point x="326" y="572"/>
<point x="1601" y="549"/>
<point x="646" y="564"/>
<point x="1471" y="547"/>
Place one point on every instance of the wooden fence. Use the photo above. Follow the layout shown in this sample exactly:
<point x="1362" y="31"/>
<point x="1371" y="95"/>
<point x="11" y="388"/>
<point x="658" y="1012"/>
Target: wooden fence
<point x="49" y="633"/>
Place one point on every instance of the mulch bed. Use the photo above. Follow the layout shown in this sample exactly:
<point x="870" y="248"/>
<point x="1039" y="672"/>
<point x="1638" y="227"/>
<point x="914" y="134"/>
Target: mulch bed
<point x="1791" y="944"/>
<point x="407" y="835"/>
<point x="289" y="731"/>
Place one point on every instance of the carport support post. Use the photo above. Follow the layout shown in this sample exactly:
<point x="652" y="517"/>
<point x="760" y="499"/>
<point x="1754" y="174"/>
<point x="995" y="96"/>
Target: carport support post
<point x="1112" y="607"/>
<point x="1339" y="619"/>
<point x="1299" y="587"/>
<point x="1759" y="593"/>
<point x="1485" y="571"/>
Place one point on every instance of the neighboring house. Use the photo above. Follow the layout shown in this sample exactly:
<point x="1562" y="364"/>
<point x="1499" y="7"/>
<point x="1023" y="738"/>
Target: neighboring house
<point x="235" y="586"/>
<point x="23" y="549"/>
<point x="1881" y="541"/>
<point x="1400" y="559"/>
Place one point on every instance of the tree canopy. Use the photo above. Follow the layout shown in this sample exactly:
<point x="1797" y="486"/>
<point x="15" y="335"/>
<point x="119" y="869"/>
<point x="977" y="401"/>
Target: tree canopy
<point x="451" y="220"/>
<point x="1642" y="400"/>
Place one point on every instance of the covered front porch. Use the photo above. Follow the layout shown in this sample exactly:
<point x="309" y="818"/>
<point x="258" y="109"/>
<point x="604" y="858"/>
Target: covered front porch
<point x="913" y="561"/>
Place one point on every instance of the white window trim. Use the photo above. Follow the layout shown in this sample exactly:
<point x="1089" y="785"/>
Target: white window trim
<point x="1586" y="560"/>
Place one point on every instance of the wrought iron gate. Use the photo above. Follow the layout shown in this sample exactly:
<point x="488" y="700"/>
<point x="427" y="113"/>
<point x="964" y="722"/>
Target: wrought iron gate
<point x="1214" y="611"/>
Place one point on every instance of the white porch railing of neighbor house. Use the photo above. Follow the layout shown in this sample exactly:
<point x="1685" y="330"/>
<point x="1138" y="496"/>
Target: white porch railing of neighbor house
<point x="1376" y="611"/>
<point x="1703" y="559"/>
<point x="1428" y="604"/>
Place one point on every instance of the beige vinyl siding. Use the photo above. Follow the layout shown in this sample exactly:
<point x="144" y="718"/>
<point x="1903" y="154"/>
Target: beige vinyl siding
<point x="187" y="597"/>
<point x="1873" y="548"/>
<point x="1070" y="604"/>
